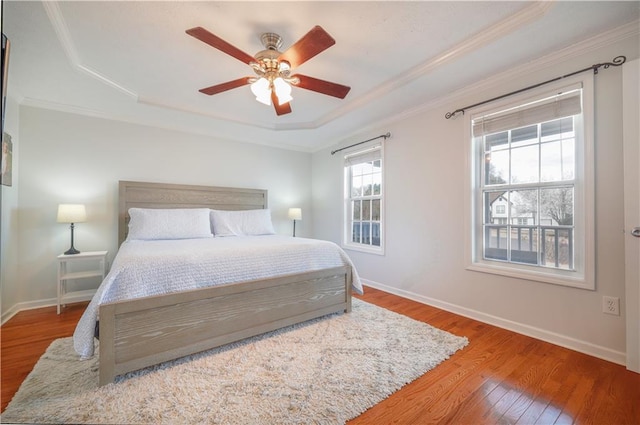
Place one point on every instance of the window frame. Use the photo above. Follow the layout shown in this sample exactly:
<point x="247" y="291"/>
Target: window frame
<point x="347" y="210"/>
<point x="584" y="200"/>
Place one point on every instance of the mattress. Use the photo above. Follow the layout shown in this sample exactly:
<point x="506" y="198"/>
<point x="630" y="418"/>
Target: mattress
<point x="156" y="267"/>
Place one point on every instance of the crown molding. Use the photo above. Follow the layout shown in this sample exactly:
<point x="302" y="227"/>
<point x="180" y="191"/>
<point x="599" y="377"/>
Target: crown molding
<point x="72" y="109"/>
<point x="310" y="125"/>
<point x="160" y="104"/>
<point x="64" y="37"/>
<point x="525" y="16"/>
<point x="62" y="30"/>
<point x="484" y="37"/>
<point x="528" y="14"/>
<point x="165" y="125"/>
<point x="607" y="38"/>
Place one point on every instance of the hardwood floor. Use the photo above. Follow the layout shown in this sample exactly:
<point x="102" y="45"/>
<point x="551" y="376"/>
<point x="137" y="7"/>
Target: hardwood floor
<point x="500" y="378"/>
<point x="503" y="377"/>
<point x="26" y="336"/>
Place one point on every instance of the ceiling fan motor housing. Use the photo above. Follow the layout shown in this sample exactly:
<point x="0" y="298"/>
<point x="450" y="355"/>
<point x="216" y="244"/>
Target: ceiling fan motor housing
<point x="271" y="41"/>
<point x="268" y="58"/>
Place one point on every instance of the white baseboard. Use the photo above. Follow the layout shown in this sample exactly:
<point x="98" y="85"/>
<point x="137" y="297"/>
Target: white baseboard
<point x="70" y="297"/>
<point x="29" y="305"/>
<point x="598" y="351"/>
<point x="541" y="334"/>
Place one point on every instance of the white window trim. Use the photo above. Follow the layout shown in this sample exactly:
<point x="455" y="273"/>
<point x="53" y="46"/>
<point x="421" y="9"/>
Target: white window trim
<point x="346" y="232"/>
<point x="585" y="225"/>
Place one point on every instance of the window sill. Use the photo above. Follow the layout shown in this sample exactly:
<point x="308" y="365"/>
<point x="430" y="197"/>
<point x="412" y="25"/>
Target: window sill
<point x="362" y="248"/>
<point x="563" y="278"/>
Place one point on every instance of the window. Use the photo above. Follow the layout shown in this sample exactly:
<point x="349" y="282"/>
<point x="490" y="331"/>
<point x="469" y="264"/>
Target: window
<point x="531" y="206"/>
<point x="363" y="211"/>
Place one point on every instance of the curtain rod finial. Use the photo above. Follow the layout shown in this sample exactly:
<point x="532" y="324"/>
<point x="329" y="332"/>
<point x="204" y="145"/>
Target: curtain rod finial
<point x="454" y="114"/>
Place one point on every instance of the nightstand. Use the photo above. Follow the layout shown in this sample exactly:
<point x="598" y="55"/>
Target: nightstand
<point x="97" y="261"/>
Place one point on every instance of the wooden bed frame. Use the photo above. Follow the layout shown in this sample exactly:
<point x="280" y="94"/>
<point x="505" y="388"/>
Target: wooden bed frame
<point x="142" y="332"/>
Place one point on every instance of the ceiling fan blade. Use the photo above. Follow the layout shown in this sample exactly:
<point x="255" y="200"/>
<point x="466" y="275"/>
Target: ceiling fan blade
<point x="215" y="41"/>
<point x="321" y="86"/>
<point x="219" y="88"/>
<point x="315" y="41"/>
<point x="280" y="109"/>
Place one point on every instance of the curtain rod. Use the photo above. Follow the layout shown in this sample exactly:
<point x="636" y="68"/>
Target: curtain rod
<point x="386" y="136"/>
<point x="617" y="61"/>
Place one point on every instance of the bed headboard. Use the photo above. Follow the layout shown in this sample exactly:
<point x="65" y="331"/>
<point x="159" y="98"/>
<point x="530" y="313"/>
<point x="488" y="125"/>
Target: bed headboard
<point x="163" y="195"/>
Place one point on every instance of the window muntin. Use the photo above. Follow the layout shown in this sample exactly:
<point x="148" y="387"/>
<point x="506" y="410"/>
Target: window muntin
<point x="535" y="189"/>
<point x="363" y="200"/>
<point x="532" y="187"/>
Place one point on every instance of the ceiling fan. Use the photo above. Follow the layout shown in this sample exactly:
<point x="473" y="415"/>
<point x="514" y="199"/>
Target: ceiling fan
<point x="273" y="80"/>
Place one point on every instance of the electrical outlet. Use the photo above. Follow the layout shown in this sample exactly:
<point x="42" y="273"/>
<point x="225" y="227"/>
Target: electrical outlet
<point x="611" y="305"/>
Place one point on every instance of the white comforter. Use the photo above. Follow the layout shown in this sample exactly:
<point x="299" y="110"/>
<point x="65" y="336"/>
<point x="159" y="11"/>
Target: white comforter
<point x="144" y="268"/>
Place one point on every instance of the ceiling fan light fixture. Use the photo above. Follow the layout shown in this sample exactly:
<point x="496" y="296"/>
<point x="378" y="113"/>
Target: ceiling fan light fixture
<point x="261" y="90"/>
<point x="283" y="91"/>
<point x="284" y="67"/>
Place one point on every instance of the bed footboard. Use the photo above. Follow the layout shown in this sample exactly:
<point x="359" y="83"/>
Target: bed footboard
<point x="138" y="333"/>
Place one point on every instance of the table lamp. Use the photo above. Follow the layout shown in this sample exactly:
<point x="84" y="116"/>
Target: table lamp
<point x="71" y="213"/>
<point x="295" y="214"/>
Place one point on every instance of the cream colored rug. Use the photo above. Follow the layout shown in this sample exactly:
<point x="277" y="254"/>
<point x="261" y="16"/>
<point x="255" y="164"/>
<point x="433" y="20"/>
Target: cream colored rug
<point x="325" y="371"/>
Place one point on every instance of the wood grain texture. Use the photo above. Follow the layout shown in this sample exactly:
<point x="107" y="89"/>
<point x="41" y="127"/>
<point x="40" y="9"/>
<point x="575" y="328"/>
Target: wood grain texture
<point x="505" y="378"/>
<point x="164" y="195"/>
<point x="150" y="330"/>
<point x="26" y="336"/>
<point x="497" y="377"/>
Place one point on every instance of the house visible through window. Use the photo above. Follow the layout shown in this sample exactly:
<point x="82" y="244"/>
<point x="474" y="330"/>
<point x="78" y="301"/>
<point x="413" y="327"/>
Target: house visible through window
<point x="532" y="201"/>
<point x="363" y="200"/>
<point x="533" y="169"/>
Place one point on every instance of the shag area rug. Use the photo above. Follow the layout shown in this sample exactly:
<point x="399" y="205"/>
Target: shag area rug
<point x="325" y="371"/>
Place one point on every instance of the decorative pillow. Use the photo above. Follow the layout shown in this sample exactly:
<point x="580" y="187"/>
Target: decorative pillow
<point x="178" y="223"/>
<point x="242" y="223"/>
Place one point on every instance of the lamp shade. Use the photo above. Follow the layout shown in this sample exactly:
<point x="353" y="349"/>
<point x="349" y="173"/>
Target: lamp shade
<point x="71" y="213"/>
<point x="283" y="91"/>
<point x="261" y="90"/>
<point x="295" y="213"/>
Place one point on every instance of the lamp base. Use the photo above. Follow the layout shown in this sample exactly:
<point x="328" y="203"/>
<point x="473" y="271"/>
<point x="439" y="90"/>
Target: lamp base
<point x="72" y="250"/>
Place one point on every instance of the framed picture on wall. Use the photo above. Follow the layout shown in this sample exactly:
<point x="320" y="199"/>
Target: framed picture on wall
<point x="7" y="153"/>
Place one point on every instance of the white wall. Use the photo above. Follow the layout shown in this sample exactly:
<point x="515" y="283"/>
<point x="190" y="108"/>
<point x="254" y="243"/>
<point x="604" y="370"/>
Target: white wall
<point x="9" y="216"/>
<point x="425" y="217"/>
<point x="68" y="158"/>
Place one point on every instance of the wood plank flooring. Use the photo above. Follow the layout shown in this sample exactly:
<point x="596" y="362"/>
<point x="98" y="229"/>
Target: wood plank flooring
<point x="500" y="378"/>
<point x="25" y="337"/>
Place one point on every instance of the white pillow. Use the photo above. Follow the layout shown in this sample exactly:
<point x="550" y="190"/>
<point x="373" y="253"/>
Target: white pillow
<point x="242" y="223"/>
<point x="178" y="223"/>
